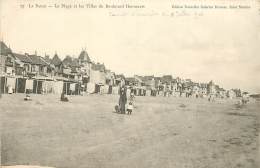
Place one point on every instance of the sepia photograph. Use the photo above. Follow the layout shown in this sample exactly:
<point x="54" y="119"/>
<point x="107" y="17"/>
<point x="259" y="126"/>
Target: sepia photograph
<point x="129" y="83"/>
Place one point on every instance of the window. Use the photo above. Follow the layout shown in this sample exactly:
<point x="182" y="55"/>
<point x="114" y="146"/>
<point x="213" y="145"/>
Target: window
<point x="33" y="68"/>
<point x="26" y="67"/>
<point x="41" y="68"/>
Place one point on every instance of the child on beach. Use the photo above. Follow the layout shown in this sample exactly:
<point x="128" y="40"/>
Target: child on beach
<point x="64" y="98"/>
<point x="27" y="98"/>
<point x="130" y="108"/>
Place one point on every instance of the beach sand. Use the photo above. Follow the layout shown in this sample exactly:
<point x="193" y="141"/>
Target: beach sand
<point x="25" y="166"/>
<point x="161" y="132"/>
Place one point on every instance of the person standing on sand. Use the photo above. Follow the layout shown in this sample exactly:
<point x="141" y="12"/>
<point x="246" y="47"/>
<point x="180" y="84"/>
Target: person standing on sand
<point x="122" y="97"/>
<point x="63" y="97"/>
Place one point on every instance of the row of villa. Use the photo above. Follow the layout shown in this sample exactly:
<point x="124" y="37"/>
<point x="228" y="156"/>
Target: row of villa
<point x="25" y="73"/>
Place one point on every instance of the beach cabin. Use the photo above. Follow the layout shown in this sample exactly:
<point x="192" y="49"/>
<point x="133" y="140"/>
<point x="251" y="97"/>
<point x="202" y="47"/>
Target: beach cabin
<point x="98" y="76"/>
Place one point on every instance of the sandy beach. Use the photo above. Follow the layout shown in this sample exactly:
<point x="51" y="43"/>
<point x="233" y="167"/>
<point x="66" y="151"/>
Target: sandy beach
<point x="161" y="132"/>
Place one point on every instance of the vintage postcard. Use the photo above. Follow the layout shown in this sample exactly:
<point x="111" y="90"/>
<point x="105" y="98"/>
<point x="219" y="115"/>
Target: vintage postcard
<point x="130" y="83"/>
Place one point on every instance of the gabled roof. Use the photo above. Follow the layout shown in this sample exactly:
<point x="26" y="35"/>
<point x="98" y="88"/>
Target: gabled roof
<point x="48" y="61"/>
<point x="56" y="60"/>
<point x="37" y="60"/>
<point x="83" y="56"/>
<point x="211" y="82"/>
<point x="67" y="61"/>
<point x="23" y="58"/>
<point x="4" y="50"/>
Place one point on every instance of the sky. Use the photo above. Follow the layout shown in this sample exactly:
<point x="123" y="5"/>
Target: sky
<point x="220" y="45"/>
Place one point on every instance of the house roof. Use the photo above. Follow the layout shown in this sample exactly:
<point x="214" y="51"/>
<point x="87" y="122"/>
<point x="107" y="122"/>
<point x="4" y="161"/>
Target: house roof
<point x="47" y="59"/>
<point x="83" y="56"/>
<point x="38" y="60"/>
<point x="56" y="60"/>
<point x="67" y="61"/>
<point x="4" y="50"/>
<point x="211" y="82"/>
<point x="217" y="87"/>
<point x="23" y="58"/>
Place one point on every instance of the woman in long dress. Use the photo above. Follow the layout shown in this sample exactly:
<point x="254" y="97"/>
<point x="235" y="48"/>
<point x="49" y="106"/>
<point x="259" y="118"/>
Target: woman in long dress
<point x="122" y="98"/>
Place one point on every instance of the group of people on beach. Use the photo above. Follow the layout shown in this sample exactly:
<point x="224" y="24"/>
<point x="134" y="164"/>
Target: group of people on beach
<point x="125" y="105"/>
